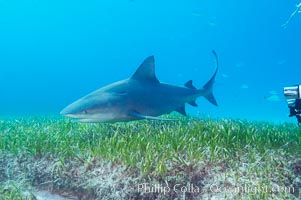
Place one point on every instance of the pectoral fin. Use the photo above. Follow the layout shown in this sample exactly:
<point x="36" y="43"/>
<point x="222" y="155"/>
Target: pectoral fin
<point x="141" y="116"/>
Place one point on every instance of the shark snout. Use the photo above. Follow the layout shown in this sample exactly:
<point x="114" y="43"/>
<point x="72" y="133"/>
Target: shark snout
<point x="69" y="111"/>
<point x="78" y="110"/>
<point x="75" y="109"/>
<point x="64" y="112"/>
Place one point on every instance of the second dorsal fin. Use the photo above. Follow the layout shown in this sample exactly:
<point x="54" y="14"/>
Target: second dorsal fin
<point x="188" y="84"/>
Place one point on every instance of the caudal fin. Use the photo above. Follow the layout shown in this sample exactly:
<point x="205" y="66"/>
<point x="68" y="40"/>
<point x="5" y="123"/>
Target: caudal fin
<point x="208" y="87"/>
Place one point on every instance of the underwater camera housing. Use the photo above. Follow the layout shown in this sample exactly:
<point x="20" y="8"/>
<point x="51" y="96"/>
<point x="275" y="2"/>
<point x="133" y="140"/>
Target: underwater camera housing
<point x="293" y="98"/>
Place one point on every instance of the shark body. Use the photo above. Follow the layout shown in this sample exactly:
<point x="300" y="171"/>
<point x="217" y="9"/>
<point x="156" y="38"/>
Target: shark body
<point x="141" y="96"/>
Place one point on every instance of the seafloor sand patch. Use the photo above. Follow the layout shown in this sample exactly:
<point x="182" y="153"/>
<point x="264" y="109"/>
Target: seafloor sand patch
<point x="186" y="159"/>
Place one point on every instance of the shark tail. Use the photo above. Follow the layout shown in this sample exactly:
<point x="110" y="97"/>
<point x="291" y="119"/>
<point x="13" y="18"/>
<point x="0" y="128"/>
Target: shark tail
<point x="208" y="87"/>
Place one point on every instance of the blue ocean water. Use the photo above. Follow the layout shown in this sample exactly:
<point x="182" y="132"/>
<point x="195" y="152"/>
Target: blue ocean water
<point x="53" y="52"/>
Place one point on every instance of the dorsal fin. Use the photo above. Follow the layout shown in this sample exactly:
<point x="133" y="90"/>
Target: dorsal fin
<point x="146" y="71"/>
<point x="188" y="84"/>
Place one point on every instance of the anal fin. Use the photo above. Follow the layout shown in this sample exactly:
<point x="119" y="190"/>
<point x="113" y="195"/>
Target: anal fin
<point x="193" y="103"/>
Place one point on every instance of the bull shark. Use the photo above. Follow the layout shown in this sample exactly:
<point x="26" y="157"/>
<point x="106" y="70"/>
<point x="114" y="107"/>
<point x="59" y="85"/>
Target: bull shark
<point x="142" y="96"/>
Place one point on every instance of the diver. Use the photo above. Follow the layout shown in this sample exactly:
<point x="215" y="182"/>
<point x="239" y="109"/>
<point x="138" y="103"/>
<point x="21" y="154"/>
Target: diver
<point x="293" y="96"/>
<point x="296" y="111"/>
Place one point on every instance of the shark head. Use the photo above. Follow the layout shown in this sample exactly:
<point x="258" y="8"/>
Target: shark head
<point x="98" y="106"/>
<point x="111" y="103"/>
